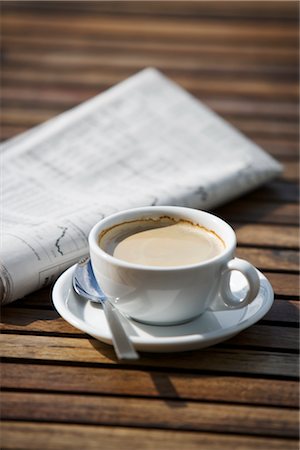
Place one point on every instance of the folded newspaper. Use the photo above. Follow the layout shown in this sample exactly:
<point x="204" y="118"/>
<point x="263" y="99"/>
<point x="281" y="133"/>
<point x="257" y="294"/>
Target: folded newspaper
<point x="143" y="142"/>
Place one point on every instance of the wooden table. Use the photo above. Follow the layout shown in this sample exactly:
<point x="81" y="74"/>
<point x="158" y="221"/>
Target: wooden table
<point x="60" y="388"/>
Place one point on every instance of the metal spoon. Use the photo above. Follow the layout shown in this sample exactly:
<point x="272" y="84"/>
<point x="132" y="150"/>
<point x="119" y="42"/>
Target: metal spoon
<point x="85" y="284"/>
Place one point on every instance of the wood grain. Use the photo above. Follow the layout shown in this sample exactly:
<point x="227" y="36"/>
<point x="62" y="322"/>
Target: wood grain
<point x="147" y="383"/>
<point x="249" y="211"/>
<point x="279" y="191"/>
<point x="107" y="77"/>
<point x="61" y="388"/>
<point x="71" y="60"/>
<point x="224" y="360"/>
<point x="260" y="234"/>
<point x="34" y="321"/>
<point x="245" y="10"/>
<point x="21" y="436"/>
<point x="63" y="99"/>
<point x="149" y="414"/>
<point x="285" y="311"/>
<point x="49" y="322"/>
<point x="281" y="148"/>
<point x="281" y="260"/>
<point x="222" y="52"/>
<point x="287" y="285"/>
<point x="157" y="28"/>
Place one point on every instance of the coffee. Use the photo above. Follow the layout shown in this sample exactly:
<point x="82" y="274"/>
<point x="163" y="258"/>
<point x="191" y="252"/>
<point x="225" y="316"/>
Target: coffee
<point x="194" y="269"/>
<point x="164" y="242"/>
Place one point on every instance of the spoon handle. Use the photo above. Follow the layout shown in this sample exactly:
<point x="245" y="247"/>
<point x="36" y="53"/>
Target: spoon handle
<point x="122" y="344"/>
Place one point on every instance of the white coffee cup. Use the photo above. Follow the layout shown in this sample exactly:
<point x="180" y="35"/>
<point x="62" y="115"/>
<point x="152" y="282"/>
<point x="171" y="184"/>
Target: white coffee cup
<point x="169" y="295"/>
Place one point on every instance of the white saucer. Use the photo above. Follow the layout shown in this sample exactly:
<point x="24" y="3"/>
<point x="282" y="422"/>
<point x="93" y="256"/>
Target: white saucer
<point x="208" y="329"/>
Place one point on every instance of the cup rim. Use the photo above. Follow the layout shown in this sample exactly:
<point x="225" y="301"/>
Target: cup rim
<point x="104" y="223"/>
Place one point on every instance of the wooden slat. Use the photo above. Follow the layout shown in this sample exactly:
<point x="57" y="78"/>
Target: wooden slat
<point x="248" y="211"/>
<point x="268" y="337"/>
<point x="259" y="127"/>
<point x="284" y="284"/>
<point x="18" y="116"/>
<point x="68" y="61"/>
<point x="285" y="311"/>
<point x="280" y="260"/>
<point x="105" y="78"/>
<point x="241" y="59"/>
<point x="20" y="436"/>
<point x="63" y="99"/>
<point x="266" y="235"/>
<point x="91" y="351"/>
<point x="291" y="171"/>
<point x="8" y="131"/>
<point x="34" y="321"/>
<point x="248" y="51"/>
<point x="243" y="10"/>
<point x="279" y="148"/>
<point x="277" y="191"/>
<point x="155" y="414"/>
<point x="38" y="299"/>
<point x="177" y="30"/>
<point x="268" y="110"/>
<point x="123" y="382"/>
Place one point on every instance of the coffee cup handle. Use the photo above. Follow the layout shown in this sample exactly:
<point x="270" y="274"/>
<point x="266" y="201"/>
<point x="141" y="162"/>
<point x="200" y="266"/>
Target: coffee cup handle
<point x="251" y="275"/>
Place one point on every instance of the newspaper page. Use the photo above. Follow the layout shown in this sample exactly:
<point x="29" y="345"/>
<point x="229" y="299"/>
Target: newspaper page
<point x="145" y="141"/>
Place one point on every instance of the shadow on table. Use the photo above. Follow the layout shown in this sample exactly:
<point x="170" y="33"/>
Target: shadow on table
<point x="163" y="385"/>
<point x="23" y="317"/>
<point x="166" y="390"/>
<point x="253" y="208"/>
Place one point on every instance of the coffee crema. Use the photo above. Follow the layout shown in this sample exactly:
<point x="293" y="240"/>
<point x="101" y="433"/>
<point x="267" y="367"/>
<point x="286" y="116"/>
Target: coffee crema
<point x="168" y="245"/>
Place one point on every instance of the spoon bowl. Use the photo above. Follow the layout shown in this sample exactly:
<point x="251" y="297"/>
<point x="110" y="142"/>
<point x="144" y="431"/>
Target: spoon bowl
<point x="85" y="285"/>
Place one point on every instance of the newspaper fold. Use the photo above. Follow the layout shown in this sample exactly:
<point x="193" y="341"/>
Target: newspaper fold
<point x="145" y="141"/>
